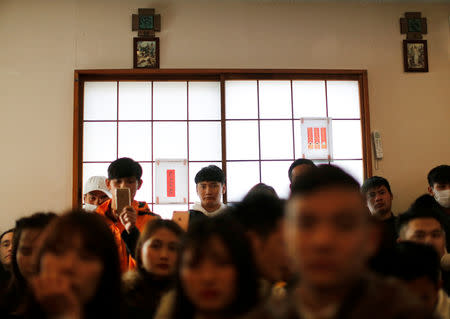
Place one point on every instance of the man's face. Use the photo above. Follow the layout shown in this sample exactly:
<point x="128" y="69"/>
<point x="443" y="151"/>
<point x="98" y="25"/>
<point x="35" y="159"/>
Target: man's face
<point x="379" y="201"/>
<point x="6" y="249"/>
<point x="126" y="182"/>
<point x="425" y="231"/>
<point x="329" y="237"/>
<point x="95" y="198"/>
<point x="438" y="187"/>
<point x="210" y="194"/>
<point x="441" y="192"/>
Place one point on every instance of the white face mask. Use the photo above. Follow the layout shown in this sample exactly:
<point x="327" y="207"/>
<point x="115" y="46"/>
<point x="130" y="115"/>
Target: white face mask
<point x="443" y="197"/>
<point x="90" y="207"/>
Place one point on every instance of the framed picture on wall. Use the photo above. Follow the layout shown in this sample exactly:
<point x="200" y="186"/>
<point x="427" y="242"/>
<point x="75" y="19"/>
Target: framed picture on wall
<point x="146" y="53"/>
<point x="415" y="55"/>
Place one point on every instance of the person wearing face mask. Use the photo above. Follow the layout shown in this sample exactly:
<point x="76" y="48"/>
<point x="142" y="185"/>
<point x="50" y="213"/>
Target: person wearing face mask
<point x="439" y="186"/>
<point x="95" y="193"/>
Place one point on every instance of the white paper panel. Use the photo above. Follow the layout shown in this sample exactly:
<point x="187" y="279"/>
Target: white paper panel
<point x="309" y="99"/>
<point x="169" y="140"/>
<point x="135" y="100"/>
<point x="204" y="100"/>
<point x="99" y="141"/>
<point x="275" y="99"/>
<point x="205" y="142"/>
<point x="343" y="99"/>
<point x="241" y="177"/>
<point x="298" y="139"/>
<point x="100" y="100"/>
<point x="276" y="139"/>
<point x="347" y="143"/>
<point x="135" y="140"/>
<point x="241" y="100"/>
<point x="169" y="100"/>
<point x="242" y="140"/>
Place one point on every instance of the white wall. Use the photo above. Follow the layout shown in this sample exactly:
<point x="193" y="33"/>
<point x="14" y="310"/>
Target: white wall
<point x="43" y="42"/>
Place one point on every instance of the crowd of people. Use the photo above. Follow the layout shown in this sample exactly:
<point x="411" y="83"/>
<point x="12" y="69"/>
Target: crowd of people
<point x="333" y="249"/>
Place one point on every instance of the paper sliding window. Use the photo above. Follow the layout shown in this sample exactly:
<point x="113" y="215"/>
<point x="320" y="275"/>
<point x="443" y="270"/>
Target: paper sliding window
<point x="316" y="138"/>
<point x="171" y="181"/>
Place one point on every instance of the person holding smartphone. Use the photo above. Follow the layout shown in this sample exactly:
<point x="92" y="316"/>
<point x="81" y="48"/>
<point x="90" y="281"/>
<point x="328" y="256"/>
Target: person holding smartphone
<point x="125" y="222"/>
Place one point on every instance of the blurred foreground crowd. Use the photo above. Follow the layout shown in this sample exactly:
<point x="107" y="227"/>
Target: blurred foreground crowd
<point x="333" y="249"/>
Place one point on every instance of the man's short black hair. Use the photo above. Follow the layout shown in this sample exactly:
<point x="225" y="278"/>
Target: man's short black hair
<point x="375" y="182"/>
<point x="297" y="162"/>
<point x="210" y="173"/>
<point x="423" y="207"/>
<point x="412" y="261"/>
<point x="440" y="174"/>
<point x="259" y="212"/>
<point x="262" y="188"/>
<point x="323" y="176"/>
<point x="426" y="202"/>
<point x="124" y="167"/>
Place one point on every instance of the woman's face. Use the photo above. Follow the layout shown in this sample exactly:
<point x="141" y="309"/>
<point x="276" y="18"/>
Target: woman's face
<point x="27" y="248"/>
<point x="209" y="283"/>
<point x="159" y="252"/>
<point x="81" y="268"/>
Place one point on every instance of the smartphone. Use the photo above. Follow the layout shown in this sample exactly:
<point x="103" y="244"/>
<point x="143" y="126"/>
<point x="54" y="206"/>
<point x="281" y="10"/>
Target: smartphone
<point x="181" y="218"/>
<point x="122" y="199"/>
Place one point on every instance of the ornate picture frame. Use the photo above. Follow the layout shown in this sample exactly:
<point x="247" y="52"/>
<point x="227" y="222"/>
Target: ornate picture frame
<point x="146" y="53"/>
<point x="415" y="55"/>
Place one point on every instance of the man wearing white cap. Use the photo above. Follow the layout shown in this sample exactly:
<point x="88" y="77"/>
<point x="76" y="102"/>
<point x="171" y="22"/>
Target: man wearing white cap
<point x="95" y="192"/>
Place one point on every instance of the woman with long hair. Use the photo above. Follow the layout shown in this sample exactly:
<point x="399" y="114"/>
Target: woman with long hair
<point x="78" y="273"/>
<point x="216" y="276"/>
<point x="156" y="259"/>
<point x="16" y="299"/>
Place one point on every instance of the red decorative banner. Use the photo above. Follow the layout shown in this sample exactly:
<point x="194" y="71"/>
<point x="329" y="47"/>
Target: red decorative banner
<point x="316" y="138"/>
<point x="310" y="138"/>
<point x="323" y="137"/>
<point x="170" y="183"/>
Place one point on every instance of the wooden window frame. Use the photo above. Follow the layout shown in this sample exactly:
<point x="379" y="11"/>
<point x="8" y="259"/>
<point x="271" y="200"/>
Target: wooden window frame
<point x="222" y="75"/>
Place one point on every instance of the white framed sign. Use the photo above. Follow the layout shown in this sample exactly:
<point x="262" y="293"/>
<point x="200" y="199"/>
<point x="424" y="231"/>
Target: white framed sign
<point x="171" y="181"/>
<point x="317" y="142"/>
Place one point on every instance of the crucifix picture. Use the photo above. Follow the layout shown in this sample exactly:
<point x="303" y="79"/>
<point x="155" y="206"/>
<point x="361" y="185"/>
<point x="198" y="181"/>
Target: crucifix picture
<point x="146" y="53"/>
<point x="146" y="45"/>
<point x="415" y="55"/>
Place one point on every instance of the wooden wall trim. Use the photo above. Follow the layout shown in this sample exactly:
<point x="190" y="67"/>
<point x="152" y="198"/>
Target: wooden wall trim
<point x="365" y="123"/>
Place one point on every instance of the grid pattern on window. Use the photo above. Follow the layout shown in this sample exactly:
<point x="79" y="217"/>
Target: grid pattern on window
<point x="263" y="129"/>
<point x="183" y="119"/>
<point x="148" y="121"/>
